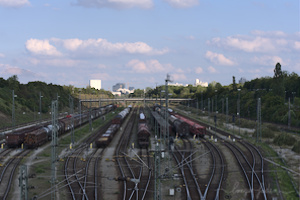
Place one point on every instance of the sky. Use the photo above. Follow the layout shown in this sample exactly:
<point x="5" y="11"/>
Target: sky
<point x="139" y="42"/>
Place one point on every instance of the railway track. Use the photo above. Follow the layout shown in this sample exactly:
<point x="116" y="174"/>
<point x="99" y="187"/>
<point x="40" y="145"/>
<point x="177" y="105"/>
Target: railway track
<point x="126" y="170"/>
<point x="184" y="161"/>
<point x="8" y="171"/>
<point x="250" y="168"/>
<point x="81" y="166"/>
<point x="213" y="186"/>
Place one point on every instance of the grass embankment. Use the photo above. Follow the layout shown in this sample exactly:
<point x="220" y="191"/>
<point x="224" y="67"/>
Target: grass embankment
<point x="40" y="170"/>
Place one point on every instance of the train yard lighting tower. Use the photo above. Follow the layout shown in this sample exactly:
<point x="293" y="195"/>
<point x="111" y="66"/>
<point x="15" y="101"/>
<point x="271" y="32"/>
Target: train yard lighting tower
<point x="13" y="117"/>
<point x="40" y="114"/>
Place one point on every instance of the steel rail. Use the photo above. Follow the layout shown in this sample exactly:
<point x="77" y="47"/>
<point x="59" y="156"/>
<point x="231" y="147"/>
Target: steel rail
<point x="244" y="171"/>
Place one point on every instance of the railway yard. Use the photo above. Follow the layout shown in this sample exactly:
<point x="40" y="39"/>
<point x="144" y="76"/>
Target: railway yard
<point x="138" y="152"/>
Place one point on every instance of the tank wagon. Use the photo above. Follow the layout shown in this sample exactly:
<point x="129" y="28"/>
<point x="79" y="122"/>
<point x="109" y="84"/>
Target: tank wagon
<point x="179" y="127"/>
<point x="116" y="122"/>
<point x="143" y="133"/>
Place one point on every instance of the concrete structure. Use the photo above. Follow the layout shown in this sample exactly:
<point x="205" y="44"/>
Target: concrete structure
<point x="95" y="84"/>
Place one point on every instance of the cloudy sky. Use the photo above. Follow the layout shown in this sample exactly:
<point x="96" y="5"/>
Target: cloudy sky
<point x="139" y="41"/>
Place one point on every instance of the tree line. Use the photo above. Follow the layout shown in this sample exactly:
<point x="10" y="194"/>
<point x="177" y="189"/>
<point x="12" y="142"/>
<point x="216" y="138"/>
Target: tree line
<point x="279" y="97"/>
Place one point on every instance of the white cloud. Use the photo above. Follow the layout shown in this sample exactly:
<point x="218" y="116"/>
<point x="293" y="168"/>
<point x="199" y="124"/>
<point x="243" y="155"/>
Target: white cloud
<point x="118" y="4"/>
<point x="150" y="66"/>
<point x="268" y="60"/>
<point x="57" y="62"/>
<point x="178" y="77"/>
<point x="297" y="45"/>
<point x="41" y="47"/>
<point x="182" y="3"/>
<point x="212" y="69"/>
<point x="14" y="3"/>
<point x="198" y="70"/>
<point x="9" y="70"/>
<point x="103" y="47"/>
<point x="2" y="55"/>
<point x="218" y="58"/>
<point x="259" y="41"/>
<point x="101" y="76"/>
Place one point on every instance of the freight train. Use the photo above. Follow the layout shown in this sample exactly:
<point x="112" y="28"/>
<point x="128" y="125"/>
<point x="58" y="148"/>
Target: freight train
<point x="116" y="122"/>
<point x="143" y="133"/>
<point x="195" y="128"/>
<point x="181" y="125"/>
<point x="38" y="135"/>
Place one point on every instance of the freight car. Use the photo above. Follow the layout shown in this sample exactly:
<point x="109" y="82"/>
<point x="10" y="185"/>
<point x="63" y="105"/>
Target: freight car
<point x="35" y="136"/>
<point x="16" y="138"/>
<point x="143" y="133"/>
<point x="106" y="138"/>
<point x="121" y="116"/>
<point x="195" y="128"/>
<point x="179" y="127"/>
<point x="116" y="122"/>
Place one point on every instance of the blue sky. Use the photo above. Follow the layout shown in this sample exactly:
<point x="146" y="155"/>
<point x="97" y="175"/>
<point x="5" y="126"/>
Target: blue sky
<point x="139" y="41"/>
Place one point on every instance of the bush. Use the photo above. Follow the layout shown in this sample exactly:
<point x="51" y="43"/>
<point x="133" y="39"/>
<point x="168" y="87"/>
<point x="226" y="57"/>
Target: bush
<point x="284" y="139"/>
<point x="296" y="147"/>
<point x="265" y="133"/>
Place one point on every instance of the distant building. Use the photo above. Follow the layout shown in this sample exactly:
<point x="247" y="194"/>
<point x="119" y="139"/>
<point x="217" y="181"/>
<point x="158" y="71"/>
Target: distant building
<point x="118" y="86"/>
<point x="175" y="84"/>
<point x="131" y="88"/>
<point x="95" y="84"/>
<point x="242" y="80"/>
<point x="203" y="84"/>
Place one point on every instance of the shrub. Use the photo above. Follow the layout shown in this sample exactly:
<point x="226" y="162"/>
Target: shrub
<point x="284" y="139"/>
<point x="296" y="147"/>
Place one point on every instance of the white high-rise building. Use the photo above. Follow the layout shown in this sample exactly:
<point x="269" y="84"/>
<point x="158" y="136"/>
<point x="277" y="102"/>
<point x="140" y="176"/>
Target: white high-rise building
<point x="203" y="84"/>
<point x="95" y="84"/>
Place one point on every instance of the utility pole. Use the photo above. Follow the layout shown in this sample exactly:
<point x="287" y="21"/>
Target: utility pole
<point x="23" y="182"/>
<point x="79" y="109"/>
<point x="208" y="108"/>
<point x="54" y="108"/>
<point x="167" y="116"/>
<point x="202" y="101"/>
<point x="90" y="115"/>
<point x="41" y="107"/>
<point x="258" y="129"/>
<point x="289" y="114"/>
<point x="239" y="111"/>
<point x="71" y="105"/>
<point x="13" y="118"/>
<point x="226" y="111"/>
